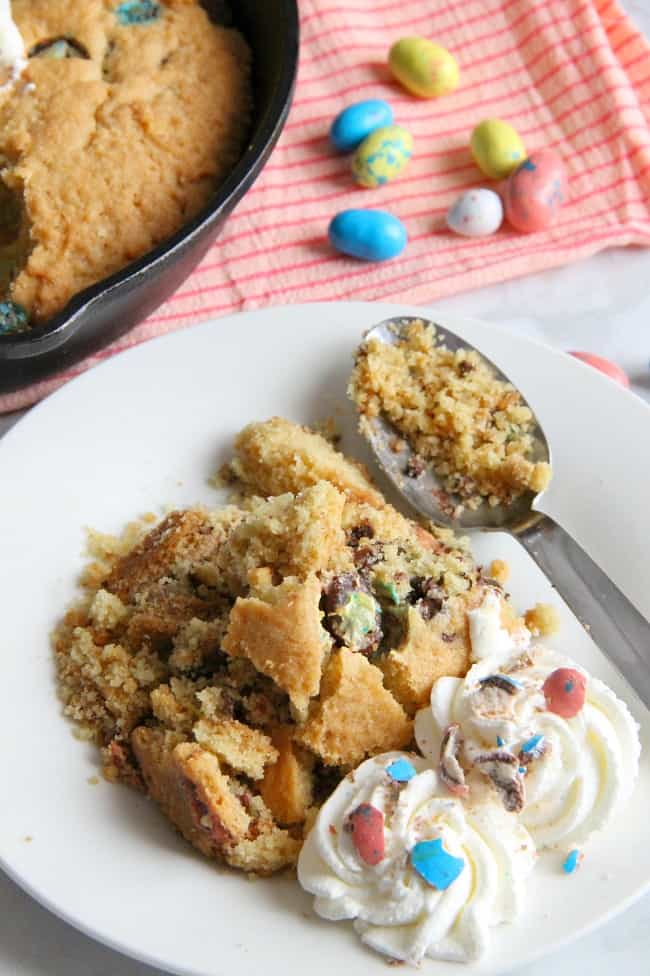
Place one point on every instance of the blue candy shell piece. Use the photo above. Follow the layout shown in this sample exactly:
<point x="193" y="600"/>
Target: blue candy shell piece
<point x="572" y="862"/>
<point x="371" y="235"/>
<point x="354" y="123"/>
<point x="432" y="862"/>
<point x="401" y="770"/>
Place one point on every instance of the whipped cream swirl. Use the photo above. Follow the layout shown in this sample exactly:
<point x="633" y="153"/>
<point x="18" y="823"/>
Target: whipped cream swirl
<point x="397" y="911"/>
<point x="570" y="774"/>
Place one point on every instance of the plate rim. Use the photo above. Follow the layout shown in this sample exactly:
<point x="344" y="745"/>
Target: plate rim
<point x="70" y="390"/>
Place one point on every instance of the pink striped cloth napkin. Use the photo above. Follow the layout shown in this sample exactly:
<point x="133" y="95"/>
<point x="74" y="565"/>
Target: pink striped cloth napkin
<point x="572" y="75"/>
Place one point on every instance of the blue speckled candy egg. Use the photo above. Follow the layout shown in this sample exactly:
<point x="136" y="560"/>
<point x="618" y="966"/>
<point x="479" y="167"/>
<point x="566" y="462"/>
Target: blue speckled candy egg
<point x="137" y="12"/>
<point x="382" y="156"/>
<point x="354" y="123"/>
<point x="13" y="318"/>
<point x="476" y="213"/>
<point x="372" y="235"/>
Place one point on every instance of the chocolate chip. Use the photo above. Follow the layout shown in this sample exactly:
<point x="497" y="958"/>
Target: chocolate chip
<point x="509" y="685"/>
<point x="451" y="772"/>
<point x="427" y="595"/>
<point x="359" y="532"/>
<point x="503" y="769"/>
<point x="430" y="607"/>
<point x="367" y="556"/>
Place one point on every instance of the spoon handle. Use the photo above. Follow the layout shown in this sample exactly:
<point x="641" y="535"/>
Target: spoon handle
<point x="615" y="625"/>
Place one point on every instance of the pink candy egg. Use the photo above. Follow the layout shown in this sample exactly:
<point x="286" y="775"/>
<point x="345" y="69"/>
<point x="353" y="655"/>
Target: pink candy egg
<point x="564" y="691"/>
<point x="535" y="191"/>
<point x="605" y="366"/>
<point x="366" y="824"/>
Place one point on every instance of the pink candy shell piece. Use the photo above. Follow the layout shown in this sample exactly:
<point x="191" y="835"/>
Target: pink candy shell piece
<point x="366" y="824"/>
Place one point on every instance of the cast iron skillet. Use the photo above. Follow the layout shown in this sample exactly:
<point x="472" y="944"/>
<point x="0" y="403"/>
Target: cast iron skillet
<point x="101" y="313"/>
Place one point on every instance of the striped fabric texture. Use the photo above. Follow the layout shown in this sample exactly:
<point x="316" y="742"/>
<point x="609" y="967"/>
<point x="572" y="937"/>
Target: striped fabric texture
<point x="572" y="75"/>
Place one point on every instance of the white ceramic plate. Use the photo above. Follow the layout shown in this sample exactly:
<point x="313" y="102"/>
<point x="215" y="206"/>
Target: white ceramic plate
<point x="147" y="429"/>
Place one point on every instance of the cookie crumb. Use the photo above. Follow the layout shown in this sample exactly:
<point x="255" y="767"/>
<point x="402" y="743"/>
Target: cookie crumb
<point x="542" y="620"/>
<point x="499" y="571"/>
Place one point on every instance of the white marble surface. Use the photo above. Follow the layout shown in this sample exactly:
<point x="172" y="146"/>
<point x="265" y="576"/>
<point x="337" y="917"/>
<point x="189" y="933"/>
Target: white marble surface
<point x="601" y="305"/>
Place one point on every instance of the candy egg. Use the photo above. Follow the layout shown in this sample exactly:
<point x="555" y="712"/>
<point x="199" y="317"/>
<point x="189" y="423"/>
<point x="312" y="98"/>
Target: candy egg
<point x="535" y="191"/>
<point x="476" y="213"/>
<point x="424" y="68"/>
<point x="605" y="366"/>
<point x="354" y="123"/>
<point x="366" y="824"/>
<point x="372" y="235"/>
<point x="382" y="156"/>
<point x="497" y="148"/>
<point x="565" y="690"/>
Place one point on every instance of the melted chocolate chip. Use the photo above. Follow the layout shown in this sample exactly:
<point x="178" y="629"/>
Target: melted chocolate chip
<point x="359" y="532"/>
<point x="367" y="556"/>
<point x="427" y="595"/>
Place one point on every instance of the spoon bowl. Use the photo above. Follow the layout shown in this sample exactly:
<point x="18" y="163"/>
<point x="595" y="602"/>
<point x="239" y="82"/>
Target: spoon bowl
<point x="614" y="623"/>
<point x="425" y="492"/>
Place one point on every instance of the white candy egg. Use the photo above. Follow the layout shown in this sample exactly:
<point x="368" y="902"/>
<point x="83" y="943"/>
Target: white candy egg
<point x="476" y="213"/>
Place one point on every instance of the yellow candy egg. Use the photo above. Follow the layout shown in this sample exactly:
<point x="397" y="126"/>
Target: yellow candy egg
<point x="382" y="156"/>
<point x="425" y="68"/>
<point x="497" y="148"/>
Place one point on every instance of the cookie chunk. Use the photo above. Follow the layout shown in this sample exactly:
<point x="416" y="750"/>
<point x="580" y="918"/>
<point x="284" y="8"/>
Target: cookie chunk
<point x="355" y="715"/>
<point x="430" y="649"/>
<point x="287" y="787"/>
<point x="278" y="456"/>
<point x="176" y="705"/>
<point x="282" y="636"/>
<point x="244" y="749"/>
<point x="183" y="540"/>
<point x="295" y="534"/>
<point x="214" y="812"/>
<point x="188" y="785"/>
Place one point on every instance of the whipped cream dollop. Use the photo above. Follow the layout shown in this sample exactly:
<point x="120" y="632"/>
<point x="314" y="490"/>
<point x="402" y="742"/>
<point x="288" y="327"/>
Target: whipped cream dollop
<point x="564" y="776"/>
<point x="12" y="47"/>
<point x="420" y="872"/>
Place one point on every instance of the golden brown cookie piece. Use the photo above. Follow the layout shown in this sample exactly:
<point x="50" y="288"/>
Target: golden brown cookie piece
<point x="430" y="649"/>
<point x="295" y="534"/>
<point x="175" y="705"/>
<point x="355" y="715"/>
<point x="287" y="787"/>
<point x="277" y="456"/>
<point x="121" y="766"/>
<point x="188" y="785"/>
<point x="271" y="851"/>
<point x="244" y="749"/>
<point x="281" y="635"/>
<point x="103" y="685"/>
<point x="182" y="539"/>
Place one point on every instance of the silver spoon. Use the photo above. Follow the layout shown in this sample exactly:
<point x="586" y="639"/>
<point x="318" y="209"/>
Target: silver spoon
<point x="615" y="625"/>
